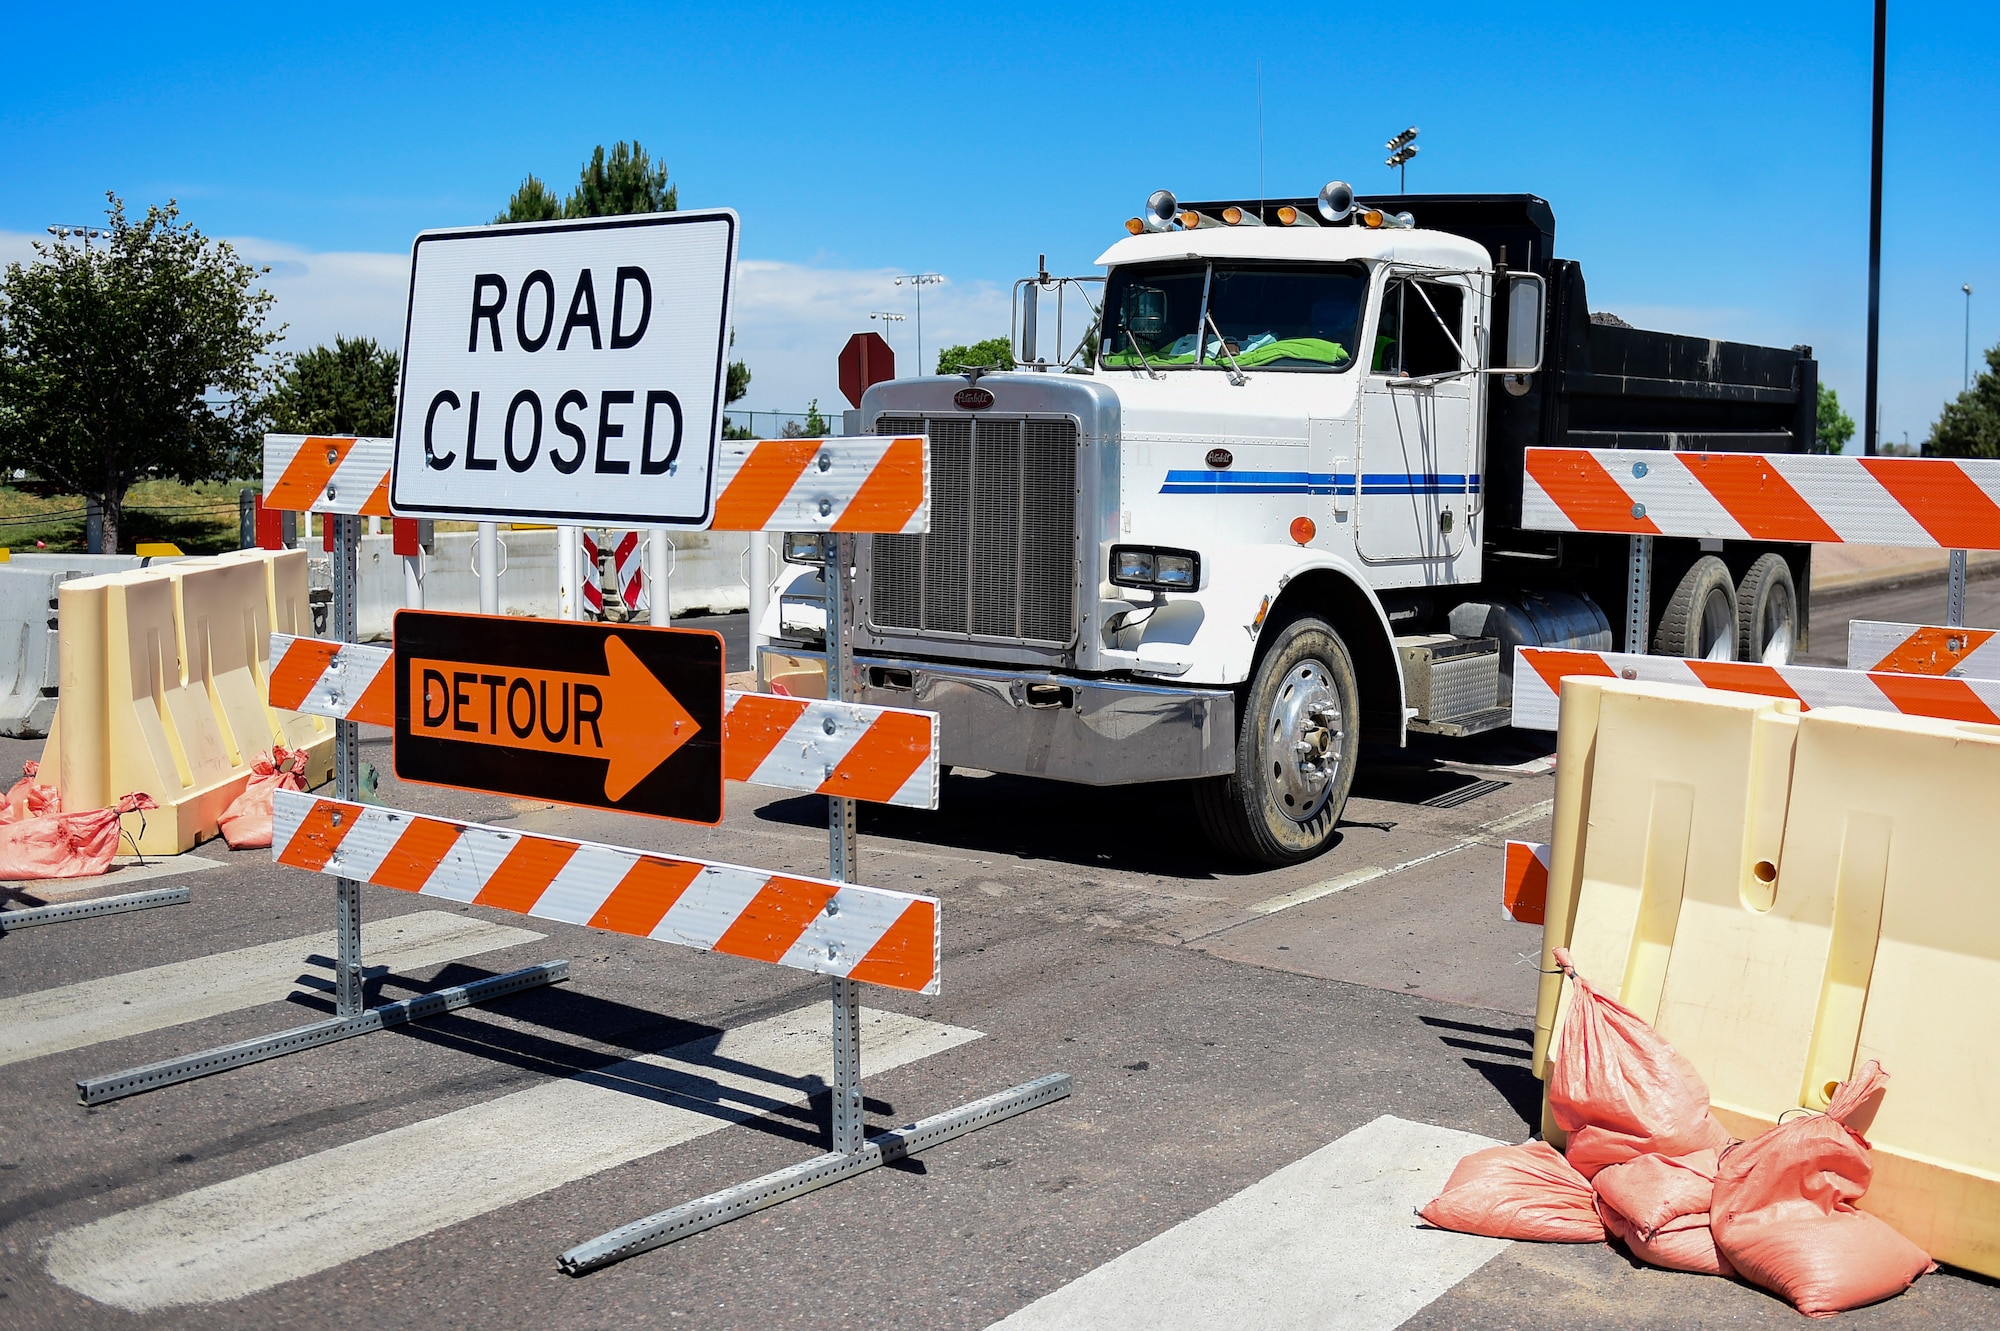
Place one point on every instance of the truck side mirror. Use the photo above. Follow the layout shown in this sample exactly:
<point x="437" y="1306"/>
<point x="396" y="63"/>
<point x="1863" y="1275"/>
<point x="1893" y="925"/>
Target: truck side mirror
<point x="1527" y="302"/>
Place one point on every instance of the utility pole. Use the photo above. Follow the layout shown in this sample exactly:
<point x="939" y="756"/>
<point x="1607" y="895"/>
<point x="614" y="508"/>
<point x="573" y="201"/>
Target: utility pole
<point x="1875" y="230"/>
<point x="920" y="281"/>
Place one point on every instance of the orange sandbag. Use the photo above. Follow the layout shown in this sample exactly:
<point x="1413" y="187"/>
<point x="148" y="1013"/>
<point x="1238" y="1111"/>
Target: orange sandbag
<point x="1517" y="1192"/>
<point x="28" y="798"/>
<point x="1651" y="1191"/>
<point x="1684" y="1243"/>
<point x="246" y="823"/>
<point x="1619" y="1090"/>
<point x="65" y="845"/>
<point x="1784" y="1211"/>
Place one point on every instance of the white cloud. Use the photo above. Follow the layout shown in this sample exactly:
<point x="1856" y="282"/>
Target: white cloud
<point x="791" y="319"/>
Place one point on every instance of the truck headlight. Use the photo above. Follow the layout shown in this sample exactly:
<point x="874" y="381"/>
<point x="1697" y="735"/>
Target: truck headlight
<point x="1155" y="568"/>
<point x="805" y="547"/>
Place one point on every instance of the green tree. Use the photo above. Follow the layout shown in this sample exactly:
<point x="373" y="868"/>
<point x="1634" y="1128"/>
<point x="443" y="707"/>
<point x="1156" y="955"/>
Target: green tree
<point x="1969" y="425"/>
<point x="623" y="182"/>
<point x="814" y="426"/>
<point x="1835" y="426"/>
<point x="995" y="353"/>
<point x="533" y="202"/>
<point x="141" y="355"/>
<point x="619" y="183"/>
<point x="347" y="388"/>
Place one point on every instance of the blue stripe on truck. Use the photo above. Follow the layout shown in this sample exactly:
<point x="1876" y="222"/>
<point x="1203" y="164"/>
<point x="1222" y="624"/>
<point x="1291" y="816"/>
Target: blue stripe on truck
<point x="1317" y="482"/>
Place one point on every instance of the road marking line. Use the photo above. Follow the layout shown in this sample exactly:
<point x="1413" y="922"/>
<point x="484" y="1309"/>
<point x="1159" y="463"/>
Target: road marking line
<point x="1299" y="896"/>
<point x="87" y="1013"/>
<point x="308" y="1215"/>
<point x="1328" y="1243"/>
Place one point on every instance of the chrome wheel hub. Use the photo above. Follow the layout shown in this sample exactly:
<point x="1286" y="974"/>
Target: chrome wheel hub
<point x="1303" y="742"/>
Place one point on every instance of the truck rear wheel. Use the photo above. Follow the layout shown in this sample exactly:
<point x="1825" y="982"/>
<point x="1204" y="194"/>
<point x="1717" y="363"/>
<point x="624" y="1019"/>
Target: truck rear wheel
<point x="1296" y="743"/>
<point x="1700" y="619"/>
<point x="1767" y="613"/>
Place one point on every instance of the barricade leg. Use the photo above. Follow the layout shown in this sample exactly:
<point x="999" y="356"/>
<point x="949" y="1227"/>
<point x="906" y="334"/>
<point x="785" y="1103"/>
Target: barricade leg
<point x="1954" y="596"/>
<point x="64" y="911"/>
<point x="352" y="1016"/>
<point x="1639" y="594"/>
<point x="853" y="1151"/>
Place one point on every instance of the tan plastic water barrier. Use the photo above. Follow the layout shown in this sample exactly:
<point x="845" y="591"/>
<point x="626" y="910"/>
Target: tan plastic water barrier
<point x="1785" y="894"/>
<point x="164" y="681"/>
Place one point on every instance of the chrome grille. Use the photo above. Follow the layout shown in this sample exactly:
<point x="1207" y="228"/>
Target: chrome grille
<point x="999" y="560"/>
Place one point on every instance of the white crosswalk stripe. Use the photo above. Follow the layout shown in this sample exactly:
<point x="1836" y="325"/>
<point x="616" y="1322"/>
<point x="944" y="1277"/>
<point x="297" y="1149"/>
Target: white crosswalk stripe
<point x="308" y="1215"/>
<point x="91" y="1011"/>
<point x="1328" y="1243"/>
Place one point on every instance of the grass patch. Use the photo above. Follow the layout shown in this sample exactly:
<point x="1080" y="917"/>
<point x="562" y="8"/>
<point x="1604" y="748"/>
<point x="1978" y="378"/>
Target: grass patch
<point x="200" y="518"/>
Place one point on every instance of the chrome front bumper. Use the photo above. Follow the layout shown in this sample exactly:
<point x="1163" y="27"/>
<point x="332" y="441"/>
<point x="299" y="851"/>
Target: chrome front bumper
<point x="1033" y="723"/>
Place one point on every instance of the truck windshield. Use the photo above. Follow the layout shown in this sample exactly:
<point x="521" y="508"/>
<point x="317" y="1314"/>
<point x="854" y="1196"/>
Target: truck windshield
<point x="1151" y="315"/>
<point x="1273" y="316"/>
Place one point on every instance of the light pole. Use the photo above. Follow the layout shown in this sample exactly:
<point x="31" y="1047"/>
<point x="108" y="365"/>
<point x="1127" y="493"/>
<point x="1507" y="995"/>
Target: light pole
<point x="887" y="317"/>
<point x="1401" y="149"/>
<point x="920" y="281"/>
<point x="1871" y="410"/>
<point x="1967" y="289"/>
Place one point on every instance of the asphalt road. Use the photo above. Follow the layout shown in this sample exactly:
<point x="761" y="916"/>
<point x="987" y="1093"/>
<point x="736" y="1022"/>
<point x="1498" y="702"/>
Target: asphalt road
<point x="1220" y="1026"/>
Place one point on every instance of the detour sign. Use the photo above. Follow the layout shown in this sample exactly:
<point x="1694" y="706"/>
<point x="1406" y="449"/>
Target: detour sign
<point x="602" y="715"/>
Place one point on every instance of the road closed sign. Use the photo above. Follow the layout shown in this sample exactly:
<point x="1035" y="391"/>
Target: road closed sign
<point x="566" y="371"/>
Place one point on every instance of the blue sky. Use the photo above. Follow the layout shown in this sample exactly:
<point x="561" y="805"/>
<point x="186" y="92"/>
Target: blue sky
<point x="1707" y="163"/>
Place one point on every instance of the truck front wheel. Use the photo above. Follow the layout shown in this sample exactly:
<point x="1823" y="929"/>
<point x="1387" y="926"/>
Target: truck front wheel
<point x="1296" y="743"/>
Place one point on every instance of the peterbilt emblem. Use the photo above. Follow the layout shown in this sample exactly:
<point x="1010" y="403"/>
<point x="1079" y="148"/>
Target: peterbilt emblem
<point x="972" y="399"/>
<point x="1220" y="457"/>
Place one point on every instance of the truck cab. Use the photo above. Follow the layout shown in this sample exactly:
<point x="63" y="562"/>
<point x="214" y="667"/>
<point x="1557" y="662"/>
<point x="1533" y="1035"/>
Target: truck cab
<point x="1251" y="522"/>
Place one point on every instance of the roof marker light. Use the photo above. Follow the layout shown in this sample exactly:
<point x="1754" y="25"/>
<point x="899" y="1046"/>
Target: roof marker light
<point x="1290" y="216"/>
<point x="1235" y="216"/>
<point x="1134" y="225"/>
<point x="1194" y="221"/>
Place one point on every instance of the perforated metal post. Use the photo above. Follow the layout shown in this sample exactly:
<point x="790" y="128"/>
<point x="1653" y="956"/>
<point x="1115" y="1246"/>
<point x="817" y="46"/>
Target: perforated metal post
<point x="1638" y="594"/>
<point x="842" y="860"/>
<point x="1954" y="595"/>
<point x="345" y="626"/>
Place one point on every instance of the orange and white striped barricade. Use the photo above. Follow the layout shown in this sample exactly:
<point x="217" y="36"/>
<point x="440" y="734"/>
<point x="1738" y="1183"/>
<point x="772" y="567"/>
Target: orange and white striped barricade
<point x="1936" y="503"/>
<point x="861" y="933"/>
<point x="1923" y="649"/>
<point x="327" y="474"/>
<point x="1539" y="672"/>
<point x="861" y="483"/>
<point x="1524" y="888"/>
<point x="883" y="755"/>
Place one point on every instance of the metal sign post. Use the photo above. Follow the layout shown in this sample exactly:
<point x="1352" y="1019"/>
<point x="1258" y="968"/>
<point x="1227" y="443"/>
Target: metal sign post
<point x="852" y="1150"/>
<point x="352" y="1015"/>
<point x="843" y="854"/>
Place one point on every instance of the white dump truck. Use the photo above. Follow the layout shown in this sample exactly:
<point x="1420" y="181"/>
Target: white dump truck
<point x="1270" y="505"/>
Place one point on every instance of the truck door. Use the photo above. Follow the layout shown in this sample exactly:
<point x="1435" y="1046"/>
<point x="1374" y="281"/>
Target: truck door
<point x="1416" y="491"/>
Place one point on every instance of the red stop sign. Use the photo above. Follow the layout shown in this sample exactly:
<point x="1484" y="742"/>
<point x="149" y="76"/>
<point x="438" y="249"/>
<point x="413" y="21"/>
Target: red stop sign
<point x="865" y="361"/>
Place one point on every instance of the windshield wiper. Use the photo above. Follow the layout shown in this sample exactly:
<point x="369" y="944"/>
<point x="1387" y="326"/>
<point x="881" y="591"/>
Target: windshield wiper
<point x="1222" y="345"/>
<point x="1132" y="340"/>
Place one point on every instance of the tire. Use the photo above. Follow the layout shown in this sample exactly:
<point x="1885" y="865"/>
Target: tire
<point x="1276" y="808"/>
<point x="1700" y="618"/>
<point x="1767" y="613"/>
